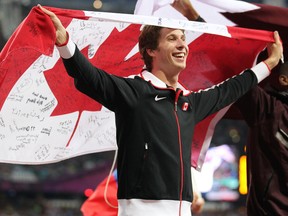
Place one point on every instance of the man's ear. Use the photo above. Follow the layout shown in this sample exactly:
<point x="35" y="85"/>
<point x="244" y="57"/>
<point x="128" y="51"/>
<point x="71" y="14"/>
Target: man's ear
<point x="283" y="80"/>
<point x="150" y="52"/>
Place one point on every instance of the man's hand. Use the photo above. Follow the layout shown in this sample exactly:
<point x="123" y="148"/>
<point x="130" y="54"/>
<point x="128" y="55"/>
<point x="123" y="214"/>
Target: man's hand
<point x="185" y="7"/>
<point x="197" y="204"/>
<point x="275" y="52"/>
<point x="61" y="34"/>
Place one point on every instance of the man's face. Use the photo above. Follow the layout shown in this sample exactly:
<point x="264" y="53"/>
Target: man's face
<point x="172" y="51"/>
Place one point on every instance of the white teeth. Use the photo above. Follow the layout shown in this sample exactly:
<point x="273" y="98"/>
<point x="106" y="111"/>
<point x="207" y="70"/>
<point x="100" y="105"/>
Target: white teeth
<point x="179" y="55"/>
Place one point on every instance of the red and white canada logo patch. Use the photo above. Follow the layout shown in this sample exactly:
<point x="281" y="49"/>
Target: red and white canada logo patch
<point x="185" y="106"/>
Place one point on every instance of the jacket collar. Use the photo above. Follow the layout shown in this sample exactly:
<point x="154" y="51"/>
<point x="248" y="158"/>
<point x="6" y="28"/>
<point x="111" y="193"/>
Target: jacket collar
<point x="155" y="81"/>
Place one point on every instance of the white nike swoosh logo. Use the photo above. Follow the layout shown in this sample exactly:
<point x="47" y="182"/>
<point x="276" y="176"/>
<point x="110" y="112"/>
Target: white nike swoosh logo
<point x="157" y="98"/>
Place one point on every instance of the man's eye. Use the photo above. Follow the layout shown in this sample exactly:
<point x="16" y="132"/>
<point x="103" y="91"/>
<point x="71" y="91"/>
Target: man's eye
<point x="171" y="37"/>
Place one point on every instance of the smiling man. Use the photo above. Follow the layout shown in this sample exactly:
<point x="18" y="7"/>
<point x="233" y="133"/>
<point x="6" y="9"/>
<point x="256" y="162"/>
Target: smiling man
<point x="156" y="116"/>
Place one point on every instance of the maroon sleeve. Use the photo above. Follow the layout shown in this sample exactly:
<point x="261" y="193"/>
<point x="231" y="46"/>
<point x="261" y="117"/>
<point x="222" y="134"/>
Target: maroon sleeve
<point x="255" y="106"/>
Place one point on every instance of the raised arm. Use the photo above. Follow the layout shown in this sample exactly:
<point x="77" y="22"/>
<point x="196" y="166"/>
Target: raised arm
<point x="186" y="8"/>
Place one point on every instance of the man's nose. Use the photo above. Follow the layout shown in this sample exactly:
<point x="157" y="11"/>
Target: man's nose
<point x="181" y="44"/>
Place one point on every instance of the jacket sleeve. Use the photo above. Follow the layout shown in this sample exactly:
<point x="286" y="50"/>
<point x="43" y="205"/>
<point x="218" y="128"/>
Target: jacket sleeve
<point x="107" y="89"/>
<point x="255" y="106"/>
<point x="209" y="101"/>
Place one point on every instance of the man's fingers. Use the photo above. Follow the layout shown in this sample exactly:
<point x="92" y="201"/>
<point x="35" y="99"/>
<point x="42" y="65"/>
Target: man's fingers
<point x="49" y="13"/>
<point x="277" y="37"/>
<point x="279" y="43"/>
<point x="57" y="23"/>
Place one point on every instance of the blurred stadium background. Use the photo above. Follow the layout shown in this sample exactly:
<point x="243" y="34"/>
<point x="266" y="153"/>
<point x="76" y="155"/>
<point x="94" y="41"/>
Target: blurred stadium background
<point x="58" y="189"/>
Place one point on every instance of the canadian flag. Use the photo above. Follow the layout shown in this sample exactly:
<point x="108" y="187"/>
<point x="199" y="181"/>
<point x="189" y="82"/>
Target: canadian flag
<point x="185" y="106"/>
<point x="44" y="119"/>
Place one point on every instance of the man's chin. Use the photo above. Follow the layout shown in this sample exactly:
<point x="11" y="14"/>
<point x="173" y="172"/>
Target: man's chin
<point x="182" y="67"/>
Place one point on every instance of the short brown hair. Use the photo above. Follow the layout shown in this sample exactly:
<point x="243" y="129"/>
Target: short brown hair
<point x="148" y="39"/>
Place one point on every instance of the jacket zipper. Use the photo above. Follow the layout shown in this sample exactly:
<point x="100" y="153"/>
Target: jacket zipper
<point x="145" y="150"/>
<point x="178" y="92"/>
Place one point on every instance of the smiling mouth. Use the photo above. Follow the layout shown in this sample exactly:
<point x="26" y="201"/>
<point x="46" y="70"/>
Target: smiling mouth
<point x="179" y="55"/>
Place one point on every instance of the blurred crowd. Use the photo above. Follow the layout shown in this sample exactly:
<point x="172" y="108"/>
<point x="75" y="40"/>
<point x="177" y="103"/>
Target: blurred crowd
<point x="27" y="205"/>
<point x="21" y="192"/>
<point x="16" y="173"/>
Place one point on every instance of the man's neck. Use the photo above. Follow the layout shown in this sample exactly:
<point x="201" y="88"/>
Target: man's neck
<point x="171" y="80"/>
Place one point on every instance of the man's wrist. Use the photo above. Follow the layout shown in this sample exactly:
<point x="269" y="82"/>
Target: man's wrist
<point x="68" y="50"/>
<point x="60" y="44"/>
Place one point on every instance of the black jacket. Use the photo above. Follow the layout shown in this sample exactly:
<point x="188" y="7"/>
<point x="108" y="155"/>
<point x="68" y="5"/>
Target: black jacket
<point x="155" y="126"/>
